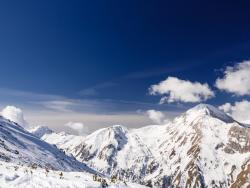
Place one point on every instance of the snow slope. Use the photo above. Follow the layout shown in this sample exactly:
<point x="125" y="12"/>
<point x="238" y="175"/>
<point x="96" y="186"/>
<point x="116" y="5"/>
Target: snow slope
<point x="21" y="147"/>
<point x="13" y="176"/>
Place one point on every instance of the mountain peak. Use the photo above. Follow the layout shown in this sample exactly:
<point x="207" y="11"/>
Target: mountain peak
<point x="205" y="107"/>
<point x="118" y="128"/>
<point x="209" y="110"/>
<point x="39" y="131"/>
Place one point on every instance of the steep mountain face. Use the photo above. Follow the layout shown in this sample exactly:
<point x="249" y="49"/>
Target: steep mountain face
<point x="203" y="147"/>
<point x="115" y="151"/>
<point x="21" y="147"/>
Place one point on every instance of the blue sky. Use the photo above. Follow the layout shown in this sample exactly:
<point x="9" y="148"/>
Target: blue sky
<point x="104" y="55"/>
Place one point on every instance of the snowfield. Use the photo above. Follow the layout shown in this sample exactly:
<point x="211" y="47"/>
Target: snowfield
<point x="15" y="176"/>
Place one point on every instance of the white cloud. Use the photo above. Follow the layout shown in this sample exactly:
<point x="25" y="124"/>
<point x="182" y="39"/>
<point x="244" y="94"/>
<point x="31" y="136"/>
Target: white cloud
<point x="236" y="79"/>
<point x="157" y="116"/>
<point x="78" y="126"/>
<point x="227" y="107"/>
<point x="177" y="90"/>
<point x="14" y="114"/>
<point x="240" y="111"/>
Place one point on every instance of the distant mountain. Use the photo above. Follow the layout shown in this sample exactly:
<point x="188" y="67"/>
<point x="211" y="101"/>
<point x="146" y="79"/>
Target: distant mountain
<point x="203" y="147"/>
<point x="40" y="131"/>
<point x="64" y="141"/>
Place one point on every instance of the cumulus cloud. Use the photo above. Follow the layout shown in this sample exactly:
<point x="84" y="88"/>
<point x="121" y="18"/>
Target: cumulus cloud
<point x="240" y="111"/>
<point x="14" y="114"/>
<point x="227" y="107"/>
<point x="236" y="79"/>
<point x="177" y="90"/>
<point x="157" y="116"/>
<point x="79" y="127"/>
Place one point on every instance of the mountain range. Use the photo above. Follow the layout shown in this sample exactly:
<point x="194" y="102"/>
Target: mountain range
<point x="203" y="147"/>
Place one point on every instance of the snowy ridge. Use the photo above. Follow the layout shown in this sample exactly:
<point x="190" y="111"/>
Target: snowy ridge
<point x="66" y="141"/>
<point x="21" y="147"/>
<point x="209" y="110"/>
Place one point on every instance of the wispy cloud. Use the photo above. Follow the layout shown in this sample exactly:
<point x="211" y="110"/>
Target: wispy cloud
<point x="28" y="94"/>
<point x="93" y="91"/>
<point x="61" y="106"/>
<point x="57" y="120"/>
<point x="55" y="110"/>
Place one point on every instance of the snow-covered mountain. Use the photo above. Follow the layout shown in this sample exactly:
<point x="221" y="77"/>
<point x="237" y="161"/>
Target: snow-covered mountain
<point x="23" y="148"/>
<point x="113" y="151"/>
<point x="28" y="161"/>
<point x="203" y="147"/>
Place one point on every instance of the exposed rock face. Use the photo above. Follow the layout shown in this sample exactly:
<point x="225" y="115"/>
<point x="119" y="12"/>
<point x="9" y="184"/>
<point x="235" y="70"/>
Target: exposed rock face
<point x="205" y="148"/>
<point x="239" y="140"/>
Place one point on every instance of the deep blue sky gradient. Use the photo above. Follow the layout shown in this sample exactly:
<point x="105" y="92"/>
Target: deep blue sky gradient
<point x="119" y="48"/>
